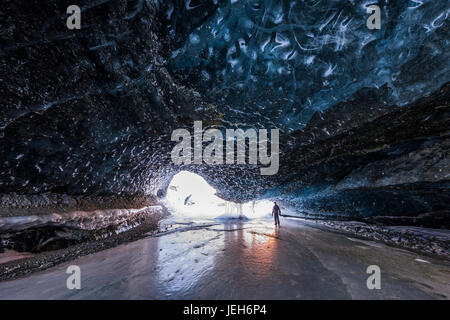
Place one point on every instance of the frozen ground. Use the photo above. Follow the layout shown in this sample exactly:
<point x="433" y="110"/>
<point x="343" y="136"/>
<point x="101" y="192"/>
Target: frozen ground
<point x="235" y="259"/>
<point x="10" y="255"/>
<point x="427" y="240"/>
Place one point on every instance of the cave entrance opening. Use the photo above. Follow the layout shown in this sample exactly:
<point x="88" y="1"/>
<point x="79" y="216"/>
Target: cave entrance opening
<point x="190" y="196"/>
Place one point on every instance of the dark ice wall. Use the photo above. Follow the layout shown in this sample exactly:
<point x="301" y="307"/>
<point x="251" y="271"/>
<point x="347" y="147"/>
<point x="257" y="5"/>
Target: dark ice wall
<point x="86" y="115"/>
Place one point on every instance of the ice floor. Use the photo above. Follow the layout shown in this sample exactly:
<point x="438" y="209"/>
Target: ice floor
<point x="234" y="259"/>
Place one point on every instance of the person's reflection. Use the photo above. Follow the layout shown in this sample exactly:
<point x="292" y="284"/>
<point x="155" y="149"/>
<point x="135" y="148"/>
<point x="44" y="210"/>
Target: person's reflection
<point x="253" y="249"/>
<point x="276" y="233"/>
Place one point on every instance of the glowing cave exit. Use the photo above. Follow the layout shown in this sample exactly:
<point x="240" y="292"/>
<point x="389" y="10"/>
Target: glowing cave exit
<point x="189" y="195"/>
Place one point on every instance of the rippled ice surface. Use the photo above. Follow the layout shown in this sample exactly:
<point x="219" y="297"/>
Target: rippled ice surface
<point x="204" y="259"/>
<point x="280" y="61"/>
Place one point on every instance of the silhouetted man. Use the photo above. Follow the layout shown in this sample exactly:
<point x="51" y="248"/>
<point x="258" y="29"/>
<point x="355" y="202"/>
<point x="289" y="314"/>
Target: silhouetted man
<point x="276" y="212"/>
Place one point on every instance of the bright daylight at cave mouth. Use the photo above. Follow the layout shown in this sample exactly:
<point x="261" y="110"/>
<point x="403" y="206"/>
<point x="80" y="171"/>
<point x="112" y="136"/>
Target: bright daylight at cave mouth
<point x="190" y="196"/>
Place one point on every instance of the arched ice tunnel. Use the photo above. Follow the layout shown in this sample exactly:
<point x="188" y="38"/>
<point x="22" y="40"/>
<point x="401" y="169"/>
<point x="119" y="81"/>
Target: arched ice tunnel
<point x="87" y="115"/>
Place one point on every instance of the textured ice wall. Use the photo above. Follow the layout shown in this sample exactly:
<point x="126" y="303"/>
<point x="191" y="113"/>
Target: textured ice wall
<point x="87" y="115"/>
<point x="278" y="62"/>
<point x="86" y="220"/>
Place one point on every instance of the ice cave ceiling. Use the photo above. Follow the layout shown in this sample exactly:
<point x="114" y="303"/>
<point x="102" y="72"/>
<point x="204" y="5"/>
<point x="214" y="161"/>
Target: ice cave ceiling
<point x="279" y="62"/>
<point x="87" y="114"/>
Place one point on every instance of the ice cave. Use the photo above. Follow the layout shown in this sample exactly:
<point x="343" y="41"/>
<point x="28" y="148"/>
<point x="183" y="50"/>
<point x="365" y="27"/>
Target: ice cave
<point x="86" y="173"/>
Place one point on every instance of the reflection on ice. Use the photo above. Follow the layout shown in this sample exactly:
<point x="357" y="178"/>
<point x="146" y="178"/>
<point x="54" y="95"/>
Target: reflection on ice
<point x="207" y="236"/>
<point x="184" y="257"/>
<point x="188" y="259"/>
